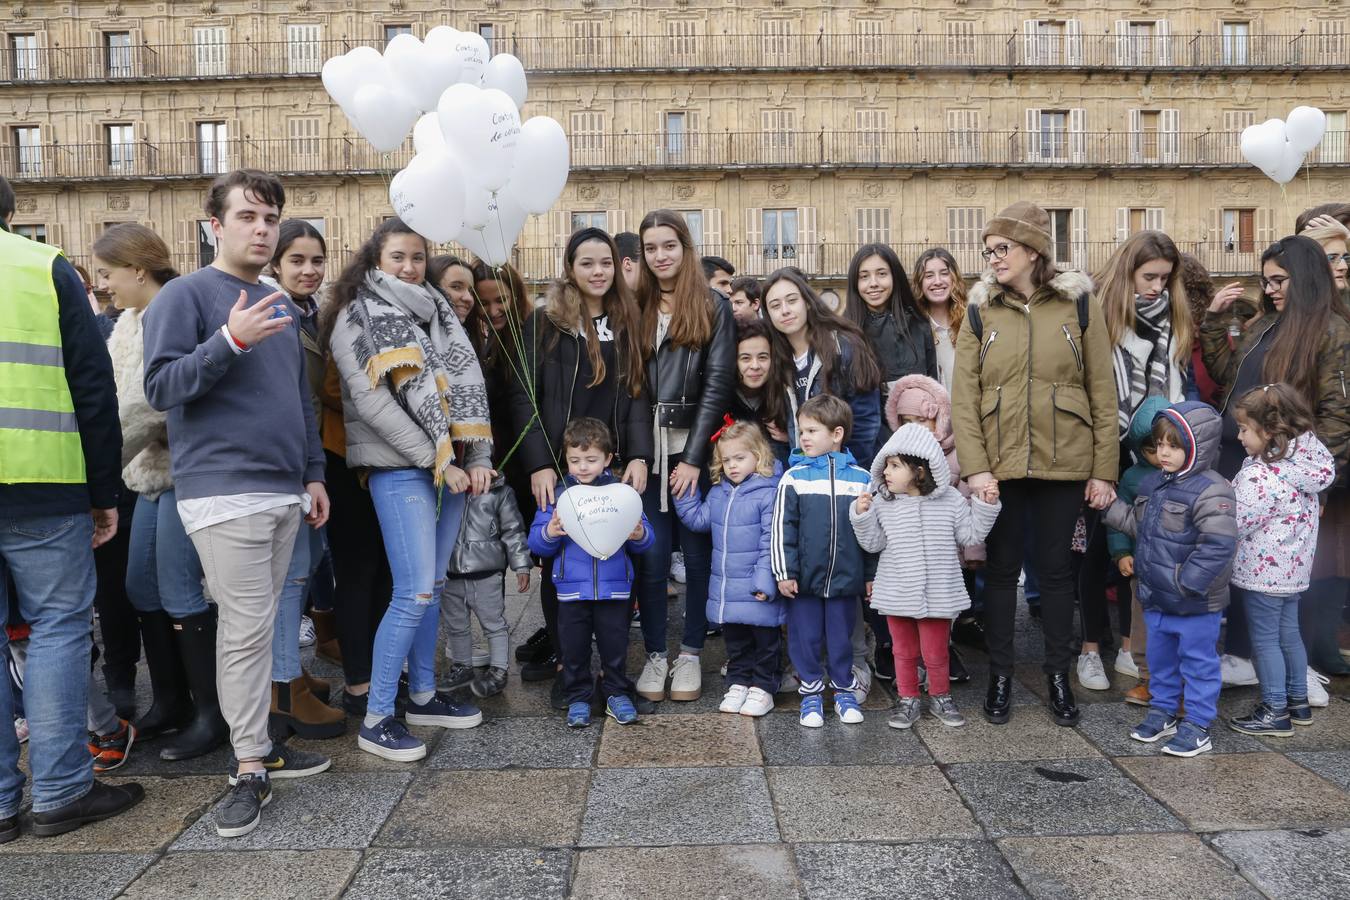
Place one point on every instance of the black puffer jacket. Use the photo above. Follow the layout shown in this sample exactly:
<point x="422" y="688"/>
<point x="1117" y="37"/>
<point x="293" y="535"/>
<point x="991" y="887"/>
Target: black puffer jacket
<point x="695" y="385"/>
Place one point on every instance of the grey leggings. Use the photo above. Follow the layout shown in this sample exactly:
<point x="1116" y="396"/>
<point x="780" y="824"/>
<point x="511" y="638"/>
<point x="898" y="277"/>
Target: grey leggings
<point x="487" y="598"/>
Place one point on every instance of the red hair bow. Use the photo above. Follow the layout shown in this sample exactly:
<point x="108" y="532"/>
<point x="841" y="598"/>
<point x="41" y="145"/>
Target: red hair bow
<point x="727" y="422"/>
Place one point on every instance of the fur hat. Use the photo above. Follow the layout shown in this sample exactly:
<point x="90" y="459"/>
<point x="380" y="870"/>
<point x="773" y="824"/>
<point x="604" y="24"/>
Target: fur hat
<point x="1024" y="222"/>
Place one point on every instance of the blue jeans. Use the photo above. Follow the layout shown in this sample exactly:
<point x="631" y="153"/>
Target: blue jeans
<point x="163" y="571"/>
<point x="1182" y="649"/>
<point x="419" y="544"/>
<point x="305" y="559"/>
<point x="1277" y="646"/>
<point x="52" y="562"/>
<point x="655" y="569"/>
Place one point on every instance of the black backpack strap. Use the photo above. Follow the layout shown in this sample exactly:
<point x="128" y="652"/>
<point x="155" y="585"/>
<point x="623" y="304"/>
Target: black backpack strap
<point x="973" y="321"/>
<point x="1084" y="311"/>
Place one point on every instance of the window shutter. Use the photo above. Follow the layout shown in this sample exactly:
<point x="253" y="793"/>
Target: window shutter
<point x="1078" y="239"/>
<point x="1264" y="230"/>
<point x="1077" y="138"/>
<point x="1030" y="36"/>
<point x="1033" y="138"/>
<point x="1073" y="42"/>
<point x="562" y="230"/>
<point x="754" y="241"/>
<point x="1136" y="135"/>
<point x="1122" y="42"/>
<point x="1216" y="229"/>
<point x="1162" y="36"/>
<point x="712" y="231"/>
<point x="616" y="220"/>
<point x="1171" y="135"/>
<point x="1153" y="218"/>
<point x="806" y="239"/>
<point x="1122" y="223"/>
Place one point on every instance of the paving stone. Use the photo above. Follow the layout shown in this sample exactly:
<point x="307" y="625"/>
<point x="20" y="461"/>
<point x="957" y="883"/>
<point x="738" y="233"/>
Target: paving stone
<point x="1242" y="791"/>
<point x="868" y="803"/>
<point x="677" y="741"/>
<point x="1334" y="766"/>
<point x="511" y="743"/>
<point x="1071" y="796"/>
<point x="634" y="807"/>
<point x="1123" y="867"/>
<point x="462" y="874"/>
<point x="1032" y="678"/>
<point x="170" y="805"/>
<point x="1108" y="726"/>
<point x="1330" y="729"/>
<point x="144" y="760"/>
<point x="761" y="871"/>
<point x="930" y="869"/>
<point x="320" y="812"/>
<point x="534" y="808"/>
<point x="1031" y="734"/>
<point x="521" y="698"/>
<point x="257" y="875"/>
<point x="69" y="876"/>
<point x="787" y="743"/>
<point x="1292" y="865"/>
<point x="348" y="758"/>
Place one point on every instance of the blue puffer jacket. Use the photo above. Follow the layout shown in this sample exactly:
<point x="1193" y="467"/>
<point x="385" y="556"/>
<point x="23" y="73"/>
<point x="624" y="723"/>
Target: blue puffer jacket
<point x="1184" y="523"/>
<point x="812" y="538"/>
<point x="740" y="517"/>
<point x="576" y="574"/>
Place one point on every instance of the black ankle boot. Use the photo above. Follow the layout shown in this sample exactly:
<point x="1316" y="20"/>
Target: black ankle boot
<point x="172" y="707"/>
<point x="121" y="682"/>
<point x="1062" y="704"/>
<point x="956" y="667"/>
<point x="998" y="700"/>
<point x="196" y="638"/>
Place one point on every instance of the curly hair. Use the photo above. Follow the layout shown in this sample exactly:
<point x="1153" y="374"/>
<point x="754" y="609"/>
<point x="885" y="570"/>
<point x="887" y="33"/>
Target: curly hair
<point x="753" y="437"/>
<point x="1281" y="413"/>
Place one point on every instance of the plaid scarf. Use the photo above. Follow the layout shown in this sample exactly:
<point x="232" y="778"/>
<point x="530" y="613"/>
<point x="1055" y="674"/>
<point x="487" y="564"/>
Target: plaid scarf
<point x="1144" y="369"/>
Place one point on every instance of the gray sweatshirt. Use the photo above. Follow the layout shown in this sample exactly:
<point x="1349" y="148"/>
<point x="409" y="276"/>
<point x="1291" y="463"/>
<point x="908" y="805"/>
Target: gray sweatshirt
<point x="238" y="422"/>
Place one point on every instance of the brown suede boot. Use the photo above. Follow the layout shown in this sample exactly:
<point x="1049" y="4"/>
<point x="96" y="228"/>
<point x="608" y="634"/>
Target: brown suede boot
<point x="317" y="686"/>
<point x="296" y="711"/>
<point x="1138" y="695"/>
<point x="326" y="644"/>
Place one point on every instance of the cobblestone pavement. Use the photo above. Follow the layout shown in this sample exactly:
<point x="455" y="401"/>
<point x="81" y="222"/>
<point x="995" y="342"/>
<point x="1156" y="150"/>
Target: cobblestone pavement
<point x="693" y="804"/>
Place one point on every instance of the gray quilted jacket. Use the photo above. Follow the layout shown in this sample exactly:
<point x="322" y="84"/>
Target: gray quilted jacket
<point x="491" y="535"/>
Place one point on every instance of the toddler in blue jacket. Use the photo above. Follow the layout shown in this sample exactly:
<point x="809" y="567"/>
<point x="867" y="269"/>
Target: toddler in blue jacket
<point x="742" y="594"/>
<point x="594" y="595"/>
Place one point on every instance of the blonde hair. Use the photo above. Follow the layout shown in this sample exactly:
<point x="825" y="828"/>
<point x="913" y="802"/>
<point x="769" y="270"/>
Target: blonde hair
<point x="1115" y="290"/>
<point x="1324" y="234"/>
<point x="751" y="434"/>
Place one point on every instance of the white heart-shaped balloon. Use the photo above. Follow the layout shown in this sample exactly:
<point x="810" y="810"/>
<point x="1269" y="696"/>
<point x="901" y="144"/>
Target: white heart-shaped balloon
<point x="506" y="73"/>
<point x="427" y="134"/>
<point x="503" y="217"/>
<point x="472" y="53"/>
<point x="1263" y="145"/>
<point x="600" y="517"/>
<point x="1304" y="128"/>
<point x="383" y="115"/>
<point x="429" y="195"/>
<point x="408" y="61"/>
<point x="1286" y="170"/>
<point x="540" y="173"/>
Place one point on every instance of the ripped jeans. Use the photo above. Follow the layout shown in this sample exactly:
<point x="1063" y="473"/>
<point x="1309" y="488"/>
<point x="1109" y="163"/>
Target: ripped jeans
<point x="419" y="544"/>
<point x="305" y="559"/>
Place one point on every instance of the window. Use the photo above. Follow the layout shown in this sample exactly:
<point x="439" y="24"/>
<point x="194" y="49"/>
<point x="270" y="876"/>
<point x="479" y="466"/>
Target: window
<point x="393" y="31"/>
<point x="28" y="150"/>
<point x="206" y="243"/>
<point x="1147" y="134"/>
<point x="963" y="135"/>
<point x="1043" y="42"/>
<point x="1143" y="43"/>
<point x="868" y="40"/>
<point x="1061" y="235"/>
<point x="681" y="40"/>
<point x="1234" y="121"/>
<point x="319" y="225"/>
<point x="694" y="219"/>
<point x="775" y="40"/>
<point x="1140" y="43"/>
<point x="589" y="219"/>
<point x="778" y="132"/>
<point x="212" y="148"/>
<point x="302" y="137"/>
<point x="209" y="49"/>
<point x="870" y="126"/>
<point x="1330" y="42"/>
<point x="673" y="133"/>
<point x="1332" y="148"/>
<point x="586" y="37"/>
<point x="488" y="32"/>
<point x="117" y="54"/>
<point x="960" y="43"/>
<point x="121" y="148"/>
<point x="24" y="49"/>
<point x="780" y="234"/>
<point x="874" y="225"/>
<point x="303" y="53"/>
<point x="32" y="232"/>
<point x="965" y="224"/>
<point x="1132" y="219"/>
<point x="1056" y="135"/>
<point x="587" y="136"/>
<point x="1053" y="133"/>
<point x="1239" y="230"/>
<point x="1233" y="49"/>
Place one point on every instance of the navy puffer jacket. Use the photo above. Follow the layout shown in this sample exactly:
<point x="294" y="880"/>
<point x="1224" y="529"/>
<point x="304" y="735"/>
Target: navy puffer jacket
<point x="740" y="517"/>
<point x="1184" y="523"/>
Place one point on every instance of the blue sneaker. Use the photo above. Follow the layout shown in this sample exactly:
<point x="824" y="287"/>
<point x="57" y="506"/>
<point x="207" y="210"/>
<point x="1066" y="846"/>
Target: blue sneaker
<point x="619" y="708"/>
<point x="389" y="739"/>
<point x="441" y="711"/>
<point x="578" y="714"/>
<point x="1190" y="740"/>
<point x="1156" y="726"/>
<point x="813" y="711"/>
<point x="846" y="708"/>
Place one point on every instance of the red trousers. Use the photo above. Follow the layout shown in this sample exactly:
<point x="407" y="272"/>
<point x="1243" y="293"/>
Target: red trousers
<point x="909" y="639"/>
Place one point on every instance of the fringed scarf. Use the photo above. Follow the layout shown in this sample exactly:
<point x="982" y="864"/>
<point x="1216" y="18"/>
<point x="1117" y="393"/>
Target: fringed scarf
<point x="409" y="335"/>
<point x="1143" y="366"/>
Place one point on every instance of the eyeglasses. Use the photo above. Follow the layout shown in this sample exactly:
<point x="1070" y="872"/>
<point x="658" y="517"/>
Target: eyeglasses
<point x="999" y="251"/>
<point x="1274" y="284"/>
<point x="1334" y="258"/>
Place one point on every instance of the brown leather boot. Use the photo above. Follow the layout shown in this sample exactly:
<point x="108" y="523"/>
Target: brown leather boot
<point x="317" y="686"/>
<point x="326" y="644"/>
<point x="296" y="711"/>
<point x="1138" y="695"/>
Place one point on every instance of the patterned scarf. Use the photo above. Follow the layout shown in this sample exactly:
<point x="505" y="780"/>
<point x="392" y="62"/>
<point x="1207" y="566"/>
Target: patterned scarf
<point x="408" y="335"/>
<point x="1143" y="369"/>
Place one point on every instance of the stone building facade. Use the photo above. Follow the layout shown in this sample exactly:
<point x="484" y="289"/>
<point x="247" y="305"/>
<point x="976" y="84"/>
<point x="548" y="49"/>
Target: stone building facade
<point x="787" y="131"/>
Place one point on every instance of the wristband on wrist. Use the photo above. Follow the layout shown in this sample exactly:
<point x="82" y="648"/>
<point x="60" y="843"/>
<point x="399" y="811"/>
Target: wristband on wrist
<point x="235" y="344"/>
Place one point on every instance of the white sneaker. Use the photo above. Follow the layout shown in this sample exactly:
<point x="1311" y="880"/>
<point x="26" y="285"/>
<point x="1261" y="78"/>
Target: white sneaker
<point x="1125" y="664"/>
<point x="1091" y="672"/>
<point x="734" y="699"/>
<point x="677" y="571"/>
<point x="652" y="682"/>
<point x="1317" y="694"/>
<point x="758" y="702"/>
<point x="686" y="678"/>
<point x="1236" y="671"/>
<point x="307" y="635"/>
<point x="862" y="676"/>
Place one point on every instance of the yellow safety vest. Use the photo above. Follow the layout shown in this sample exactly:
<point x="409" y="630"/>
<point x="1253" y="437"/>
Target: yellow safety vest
<point x="39" y="434"/>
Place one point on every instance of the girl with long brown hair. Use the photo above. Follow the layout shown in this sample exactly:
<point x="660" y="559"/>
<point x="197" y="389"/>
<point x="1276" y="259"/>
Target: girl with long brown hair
<point x="941" y="292"/>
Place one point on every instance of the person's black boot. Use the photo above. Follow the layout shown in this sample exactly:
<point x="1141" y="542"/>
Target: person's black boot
<point x="956" y="667"/>
<point x="196" y="639"/>
<point x="536" y="647"/>
<point x="968" y="631"/>
<point x="885" y="667"/>
<point x="998" y="700"/>
<point x="102" y="802"/>
<point x="172" y="707"/>
<point x="1062" y="704"/>
<point x="1319" y="620"/>
<point x="540" y="669"/>
<point x="121" y="682"/>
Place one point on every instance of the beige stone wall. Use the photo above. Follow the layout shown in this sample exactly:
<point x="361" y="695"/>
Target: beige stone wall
<point x="839" y="114"/>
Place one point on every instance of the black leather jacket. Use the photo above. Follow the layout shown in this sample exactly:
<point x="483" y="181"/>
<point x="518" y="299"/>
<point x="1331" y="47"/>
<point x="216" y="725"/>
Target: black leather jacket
<point x="692" y="387"/>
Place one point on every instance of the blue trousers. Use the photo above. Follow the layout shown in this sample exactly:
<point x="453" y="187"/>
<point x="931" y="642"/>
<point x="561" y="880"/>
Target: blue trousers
<point x="1278" y="653"/>
<point x="1182" y="651"/>
<point x="819" y="623"/>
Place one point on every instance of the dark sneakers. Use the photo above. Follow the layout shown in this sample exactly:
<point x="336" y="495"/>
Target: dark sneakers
<point x="286" y="761"/>
<point x="459" y="676"/>
<point x="9" y="829"/>
<point x="489" y="683"/>
<point x="537" y="647"/>
<point x="110" y="751"/>
<point x="1300" y="711"/>
<point x="1264" y="721"/>
<point x="102" y="802"/>
<point x="541" y="669"/>
<point x="240" y="811"/>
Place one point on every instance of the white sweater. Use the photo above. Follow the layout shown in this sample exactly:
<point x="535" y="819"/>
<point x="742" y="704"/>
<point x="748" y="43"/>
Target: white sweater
<point x="145" y="436"/>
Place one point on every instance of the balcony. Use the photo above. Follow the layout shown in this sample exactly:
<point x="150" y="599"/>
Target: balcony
<point x="730" y="151"/>
<point x="601" y="53"/>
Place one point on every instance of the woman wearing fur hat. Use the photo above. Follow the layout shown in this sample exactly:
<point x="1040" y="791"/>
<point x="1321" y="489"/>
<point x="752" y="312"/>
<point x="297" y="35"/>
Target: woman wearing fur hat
<point x="1035" y="409"/>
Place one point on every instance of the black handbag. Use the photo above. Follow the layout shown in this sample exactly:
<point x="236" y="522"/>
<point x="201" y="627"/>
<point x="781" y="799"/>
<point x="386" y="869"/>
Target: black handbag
<point x="676" y="415"/>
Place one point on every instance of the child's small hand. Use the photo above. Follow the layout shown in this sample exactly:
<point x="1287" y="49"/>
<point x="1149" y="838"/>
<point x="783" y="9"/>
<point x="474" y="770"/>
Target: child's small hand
<point x="1126" y="566"/>
<point x="555" y="527"/>
<point x="863" y="503"/>
<point x="522" y="582"/>
<point x="869" y="590"/>
<point x="788" y="588"/>
<point x="990" y="493"/>
<point x="638" y="532"/>
<point x="761" y="596"/>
